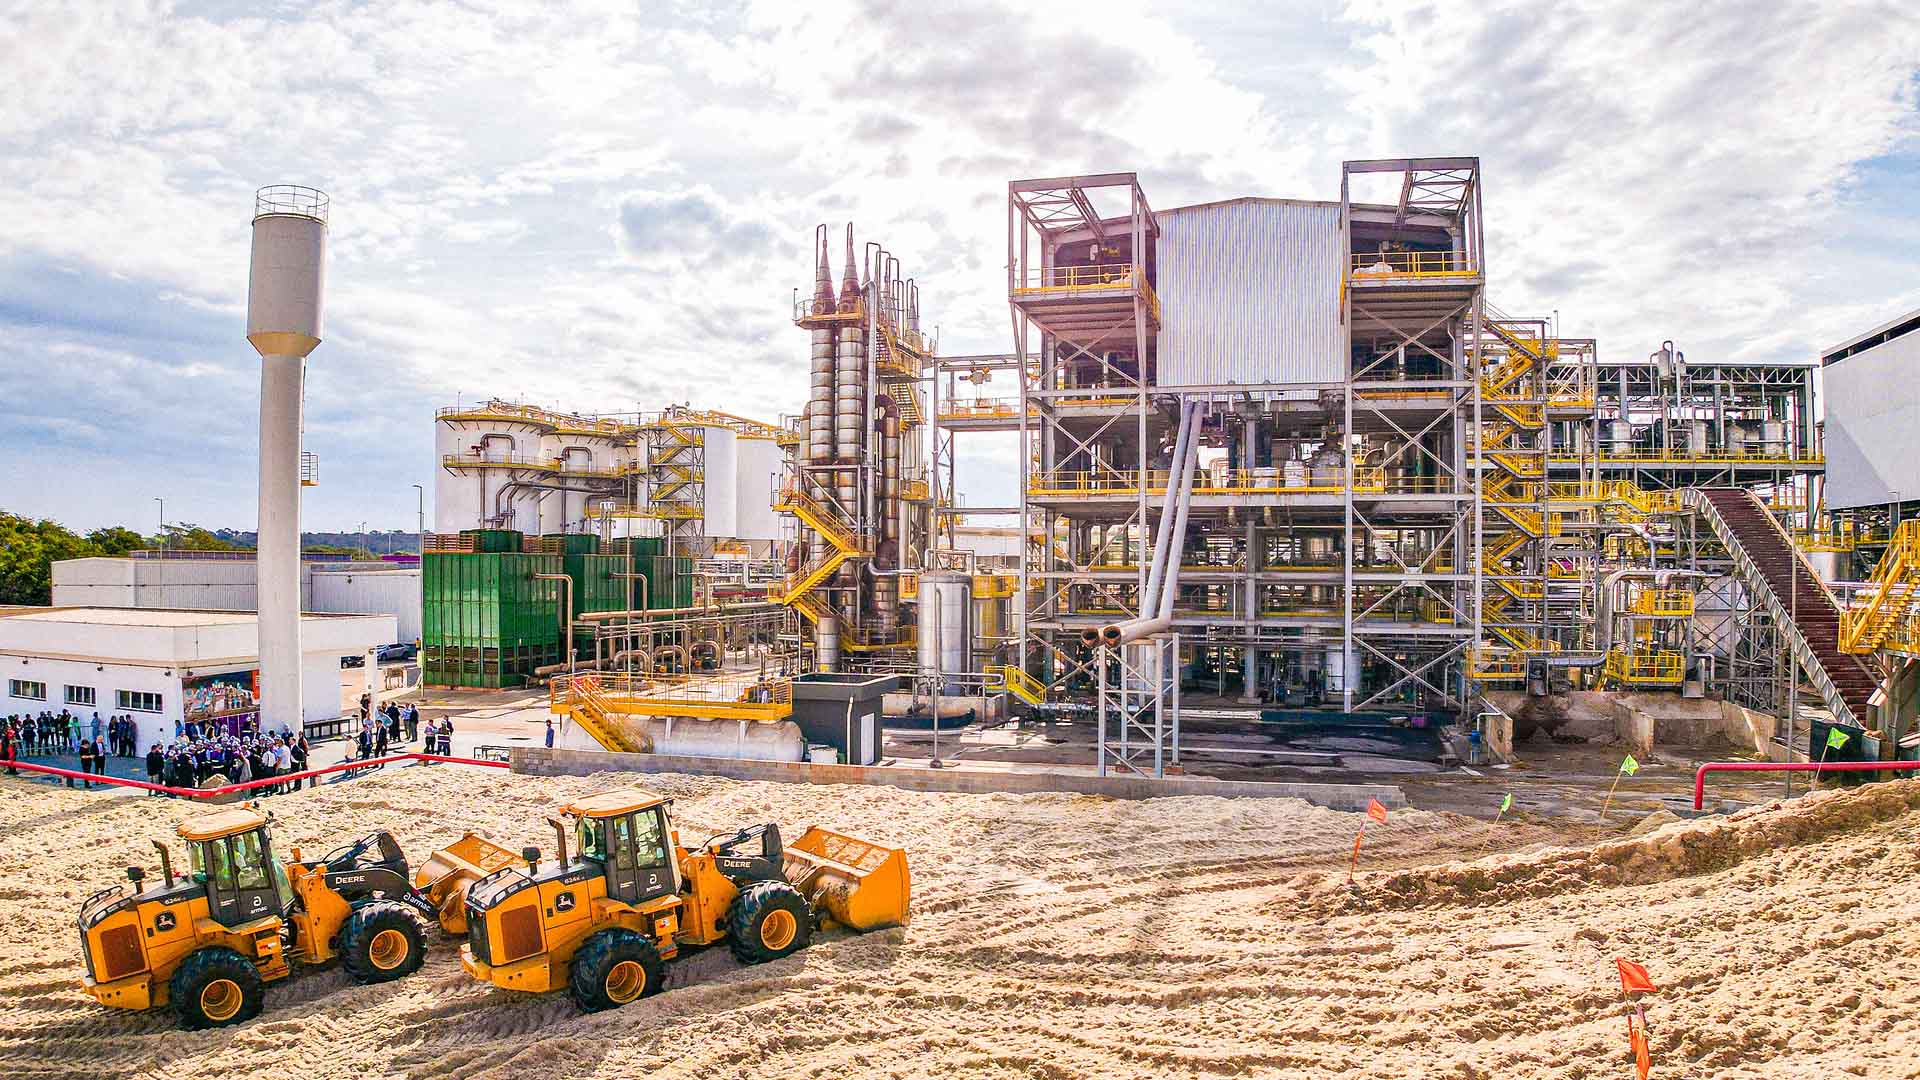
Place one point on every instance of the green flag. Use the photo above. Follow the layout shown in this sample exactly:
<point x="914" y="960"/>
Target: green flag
<point x="1629" y="766"/>
<point x="1836" y="738"/>
<point x="1506" y="803"/>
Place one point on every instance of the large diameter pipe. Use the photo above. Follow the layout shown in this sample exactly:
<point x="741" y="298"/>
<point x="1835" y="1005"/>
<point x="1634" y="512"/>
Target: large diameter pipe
<point x="1157" y="607"/>
<point x="285" y="300"/>
<point x="1157" y="573"/>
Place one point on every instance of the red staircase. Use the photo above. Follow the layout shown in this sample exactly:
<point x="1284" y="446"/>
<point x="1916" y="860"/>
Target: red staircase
<point x="1798" y="591"/>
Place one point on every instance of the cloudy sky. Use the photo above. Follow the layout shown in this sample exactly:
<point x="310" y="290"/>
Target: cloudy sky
<point x="606" y="206"/>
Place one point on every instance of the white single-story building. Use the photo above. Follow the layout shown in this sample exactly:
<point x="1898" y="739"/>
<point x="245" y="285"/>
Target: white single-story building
<point x="225" y="581"/>
<point x="165" y="667"/>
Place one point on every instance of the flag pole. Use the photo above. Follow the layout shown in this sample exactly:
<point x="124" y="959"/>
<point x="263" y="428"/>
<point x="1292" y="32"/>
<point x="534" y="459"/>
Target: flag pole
<point x="1617" y="774"/>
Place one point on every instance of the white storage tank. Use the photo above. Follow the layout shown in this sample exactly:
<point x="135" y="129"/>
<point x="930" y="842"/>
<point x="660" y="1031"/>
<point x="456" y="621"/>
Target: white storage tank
<point x="758" y="462"/>
<point x="481" y="451"/>
<point x="722" y="484"/>
<point x="948" y="598"/>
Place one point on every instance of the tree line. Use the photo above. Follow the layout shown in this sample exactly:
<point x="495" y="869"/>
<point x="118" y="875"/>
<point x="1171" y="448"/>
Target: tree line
<point x="29" y="547"/>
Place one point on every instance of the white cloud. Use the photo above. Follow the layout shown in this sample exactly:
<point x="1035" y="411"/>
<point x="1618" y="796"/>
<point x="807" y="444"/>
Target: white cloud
<point x="600" y="205"/>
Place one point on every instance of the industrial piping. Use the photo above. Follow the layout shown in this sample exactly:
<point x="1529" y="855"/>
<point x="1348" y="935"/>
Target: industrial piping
<point x="1179" y="498"/>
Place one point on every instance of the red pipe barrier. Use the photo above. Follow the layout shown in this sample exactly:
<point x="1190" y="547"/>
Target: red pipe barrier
<point x="230" y="789"/>
<point x="1700" y="774"/>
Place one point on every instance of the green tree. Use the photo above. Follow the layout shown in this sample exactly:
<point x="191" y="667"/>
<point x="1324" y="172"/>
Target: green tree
<point x="28" y="550"/>
<point x="116" y="540"/>
<point x="185" y="537"/>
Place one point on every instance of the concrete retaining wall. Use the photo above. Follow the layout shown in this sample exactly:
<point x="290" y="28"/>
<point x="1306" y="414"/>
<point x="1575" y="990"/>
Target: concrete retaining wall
<point x="539" y="761"/>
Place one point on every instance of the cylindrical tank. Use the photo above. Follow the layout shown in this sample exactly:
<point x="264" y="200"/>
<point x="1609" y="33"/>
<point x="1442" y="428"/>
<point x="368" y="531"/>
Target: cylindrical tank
<point x="756" y="474"/>
<point x="749" y="740"/>
<point x="826" y="643"/>
<point x="946" y="622"/>
<point x="1338" y="660"/>
<point x="285" y="302"/>
<point x="1773" y="436"/>
<point x="819" y="448"/>
<point x="722" y="491"/>
<point x="1696" y="437"/>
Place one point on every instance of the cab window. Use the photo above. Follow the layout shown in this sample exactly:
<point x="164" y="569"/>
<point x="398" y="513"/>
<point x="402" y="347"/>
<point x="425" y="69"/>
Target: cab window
<point x="207" y="862"/>
<point x="250" y="862"/>
<point x="620" y="841"/>
<point x="649" y="839"/>
<point x="587" y="837"/>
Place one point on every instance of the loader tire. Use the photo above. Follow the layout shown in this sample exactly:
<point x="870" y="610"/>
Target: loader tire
<point x="214" y="987"/>
<point x="768" y="920"/>
<point x="614" y="967"/>
<point x="381" y="941"/>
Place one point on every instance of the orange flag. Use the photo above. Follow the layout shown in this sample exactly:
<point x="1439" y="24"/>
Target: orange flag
<point x="1642" y="1055"/>
<point x="1376" y="811"/>
<point x="1633" y="978"/>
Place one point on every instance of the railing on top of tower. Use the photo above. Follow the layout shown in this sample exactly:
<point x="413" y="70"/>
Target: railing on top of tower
<point x="291" y="200"/>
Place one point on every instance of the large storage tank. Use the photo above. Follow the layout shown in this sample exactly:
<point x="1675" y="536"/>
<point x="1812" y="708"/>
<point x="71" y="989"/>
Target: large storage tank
<point x="479" y="449"/>
<point x="758" y="478"/>
<point x="722" y="482"/>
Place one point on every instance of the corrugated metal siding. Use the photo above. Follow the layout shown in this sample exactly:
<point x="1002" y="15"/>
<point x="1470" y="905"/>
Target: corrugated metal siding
<point x="1250" y="293"/>
<point x="1872" y="440"/>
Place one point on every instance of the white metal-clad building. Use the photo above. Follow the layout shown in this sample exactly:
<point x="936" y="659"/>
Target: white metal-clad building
<point x="757" y="468"/>
<point x="1872" y="402"/>
<point x="1250" y="293"/>
<point x="227" y="584"/>
<point x="156" y="666"/>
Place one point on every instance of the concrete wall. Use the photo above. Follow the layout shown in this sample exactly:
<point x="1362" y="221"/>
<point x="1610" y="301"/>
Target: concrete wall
<point x="539" y="761"/>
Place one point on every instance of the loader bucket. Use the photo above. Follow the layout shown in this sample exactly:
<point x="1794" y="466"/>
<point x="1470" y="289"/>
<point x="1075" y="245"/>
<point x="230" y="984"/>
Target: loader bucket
<point x="449" y="872"/>
<point x="859" y="885"/>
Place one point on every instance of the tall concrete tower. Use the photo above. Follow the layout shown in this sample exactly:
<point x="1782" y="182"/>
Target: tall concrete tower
<point x="284" y="301"/>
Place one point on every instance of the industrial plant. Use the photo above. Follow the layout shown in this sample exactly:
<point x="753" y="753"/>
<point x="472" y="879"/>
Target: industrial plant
<point x="1277" y="458"/>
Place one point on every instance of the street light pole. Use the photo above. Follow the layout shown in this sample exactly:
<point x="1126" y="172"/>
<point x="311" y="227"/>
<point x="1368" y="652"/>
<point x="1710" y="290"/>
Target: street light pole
<point x="420" y="529"/>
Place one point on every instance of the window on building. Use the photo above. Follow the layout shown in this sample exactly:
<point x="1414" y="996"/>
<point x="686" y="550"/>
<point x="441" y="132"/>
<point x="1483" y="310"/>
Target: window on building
<point x="27" y="688"/>
<point x="80" y="695"/>
<point x="136" y="700"/>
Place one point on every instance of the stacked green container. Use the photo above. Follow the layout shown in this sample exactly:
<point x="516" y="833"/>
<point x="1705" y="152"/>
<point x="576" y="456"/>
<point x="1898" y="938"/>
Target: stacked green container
<point x="487" y="621"/>
<point x="670" y="581"/>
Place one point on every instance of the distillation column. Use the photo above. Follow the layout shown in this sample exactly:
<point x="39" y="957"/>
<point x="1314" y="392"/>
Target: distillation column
<point x="284" y="301"/>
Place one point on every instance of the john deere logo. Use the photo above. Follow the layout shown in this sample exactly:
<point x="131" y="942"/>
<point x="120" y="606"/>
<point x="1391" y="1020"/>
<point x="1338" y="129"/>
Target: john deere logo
<point x="563" y="902"/>
<point x="164" y="921"/>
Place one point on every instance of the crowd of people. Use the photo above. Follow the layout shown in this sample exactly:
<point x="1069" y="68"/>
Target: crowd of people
<point x="200" y="753"/>
<point x="64" y="732"/>
<point x="93" y="740"/>
<point x="232" y="748"/>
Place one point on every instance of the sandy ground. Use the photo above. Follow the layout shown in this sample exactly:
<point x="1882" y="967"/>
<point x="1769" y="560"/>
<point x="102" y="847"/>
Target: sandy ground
<point x="1069" y="937"/>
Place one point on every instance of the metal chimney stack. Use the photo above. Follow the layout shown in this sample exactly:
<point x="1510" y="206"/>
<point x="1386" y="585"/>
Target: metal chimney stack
<point x="285" y="291"/>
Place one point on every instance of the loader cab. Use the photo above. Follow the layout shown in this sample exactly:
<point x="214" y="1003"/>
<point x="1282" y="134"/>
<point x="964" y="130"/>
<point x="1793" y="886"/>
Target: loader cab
<point x="627" y="834"/>
<point x="231" y="854"/>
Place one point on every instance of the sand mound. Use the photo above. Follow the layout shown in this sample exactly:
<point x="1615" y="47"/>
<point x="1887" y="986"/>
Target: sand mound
<point x="1661" y="853"/>
<point x="1068" y="937"/>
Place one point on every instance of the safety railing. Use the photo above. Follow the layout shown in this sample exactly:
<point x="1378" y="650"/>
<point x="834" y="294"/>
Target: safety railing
<point x="1662" y="603"/>
<point x="512" y="461"/>
<point x="1094" y="276"/>
<point x="448" y="544"/>
<point x="292" y="200"/>
<point x="1419" y="264"/>
<point x="228" y="790"/>
<point x="1678" y="456"/>
<point x="1070" y="483"/>
<point x="1892" y="594"/>
<point x="722" y="697"/>
<point x="1643" y="669"/>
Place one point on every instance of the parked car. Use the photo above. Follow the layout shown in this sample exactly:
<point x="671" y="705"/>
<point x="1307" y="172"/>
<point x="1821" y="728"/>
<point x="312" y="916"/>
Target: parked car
<point x="356" y="660"/>
<point x="396" y="653"/>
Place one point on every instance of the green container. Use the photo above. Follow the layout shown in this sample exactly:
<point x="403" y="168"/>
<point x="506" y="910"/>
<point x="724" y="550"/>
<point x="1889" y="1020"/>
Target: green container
<point x="574" y="543"/>
<point x="494" y="540"/>
<point x="670" y="582"/>
<point x="596" y="584"/>
<point x="487" y="621"/>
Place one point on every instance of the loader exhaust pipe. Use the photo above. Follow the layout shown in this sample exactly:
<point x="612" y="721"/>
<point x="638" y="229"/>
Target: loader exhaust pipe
<point x="166" y="862"/>
<point x="560" y="839"/>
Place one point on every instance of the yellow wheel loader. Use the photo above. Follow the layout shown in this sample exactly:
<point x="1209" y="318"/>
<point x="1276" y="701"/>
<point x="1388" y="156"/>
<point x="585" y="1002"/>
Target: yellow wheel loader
<point x="604" y="923"/>
<point x="207" y="942"/>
